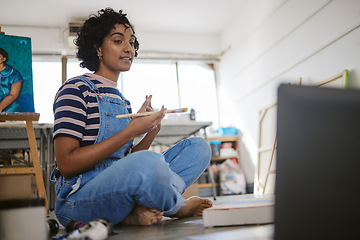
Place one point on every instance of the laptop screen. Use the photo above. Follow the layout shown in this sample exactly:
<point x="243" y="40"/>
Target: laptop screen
<point x="318" y="163"/>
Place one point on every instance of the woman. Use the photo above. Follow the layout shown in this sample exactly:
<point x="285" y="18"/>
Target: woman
<point x="10" y="85"/>
<point x="100" y="173"/>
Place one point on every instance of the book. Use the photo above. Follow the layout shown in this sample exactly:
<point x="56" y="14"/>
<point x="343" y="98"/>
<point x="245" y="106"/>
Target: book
<point x="245" y="211"/>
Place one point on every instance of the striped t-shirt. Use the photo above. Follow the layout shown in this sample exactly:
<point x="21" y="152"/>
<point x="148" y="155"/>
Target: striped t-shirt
<point x="76" y="110"/>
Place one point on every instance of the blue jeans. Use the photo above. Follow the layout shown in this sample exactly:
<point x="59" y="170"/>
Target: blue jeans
<point x="146" y="178"/>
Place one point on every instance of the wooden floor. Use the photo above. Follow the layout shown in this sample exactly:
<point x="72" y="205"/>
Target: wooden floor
<point x="192" y="229"/>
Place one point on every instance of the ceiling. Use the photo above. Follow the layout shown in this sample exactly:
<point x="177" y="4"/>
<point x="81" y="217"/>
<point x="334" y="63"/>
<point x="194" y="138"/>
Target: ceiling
<point x="185" y="16"/>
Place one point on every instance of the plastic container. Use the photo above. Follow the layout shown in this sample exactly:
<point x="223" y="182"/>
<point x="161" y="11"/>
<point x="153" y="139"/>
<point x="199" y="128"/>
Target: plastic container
<point x="192" y="115"/>
<point x="215" y="148"/>
<point x="228" y="131"/>
<point x="23" y="219"/>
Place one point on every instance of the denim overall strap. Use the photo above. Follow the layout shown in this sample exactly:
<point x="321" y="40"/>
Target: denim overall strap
<point x="109" y="107"/>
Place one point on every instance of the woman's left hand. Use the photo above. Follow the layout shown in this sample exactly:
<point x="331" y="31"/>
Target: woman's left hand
<point x="146" y="141"/>
<point x="149" y="108"/>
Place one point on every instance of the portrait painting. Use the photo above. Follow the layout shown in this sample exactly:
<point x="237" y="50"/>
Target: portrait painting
<point x="16" y="82"/>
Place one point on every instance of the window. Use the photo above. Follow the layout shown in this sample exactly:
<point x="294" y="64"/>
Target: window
<point x="174" y="85"/>
<point x="198" y="91"/>
<point x="158" y="80"/>
<point x="73" y="68"/>
<point x="46" y="82"/>
<point x="193" y="87"/>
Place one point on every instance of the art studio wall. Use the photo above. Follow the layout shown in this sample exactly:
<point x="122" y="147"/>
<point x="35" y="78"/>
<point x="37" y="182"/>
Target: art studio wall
<point x="266" y="43"/>
<point x="286" y="41"/>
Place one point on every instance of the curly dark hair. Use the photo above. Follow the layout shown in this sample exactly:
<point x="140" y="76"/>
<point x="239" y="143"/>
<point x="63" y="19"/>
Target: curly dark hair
<point x="93" y="32"/>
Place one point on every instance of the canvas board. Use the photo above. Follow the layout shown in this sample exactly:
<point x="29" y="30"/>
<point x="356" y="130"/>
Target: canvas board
<point x="19" y="68"/>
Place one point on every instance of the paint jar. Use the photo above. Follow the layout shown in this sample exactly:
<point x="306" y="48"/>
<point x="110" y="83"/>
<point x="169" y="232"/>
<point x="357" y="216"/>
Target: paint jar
<point x="23" y="219"/>
<point x="215" y="148"/>
<point x="192" y="115"/>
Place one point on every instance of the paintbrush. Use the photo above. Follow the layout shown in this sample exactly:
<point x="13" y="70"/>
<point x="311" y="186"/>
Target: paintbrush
<point x="180" y="110"/>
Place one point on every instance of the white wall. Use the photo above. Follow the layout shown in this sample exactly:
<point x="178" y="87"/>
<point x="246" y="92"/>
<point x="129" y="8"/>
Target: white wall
<point x="55" y="40"/>
<point x="287" y="40"/>
<point x="48" y="40"/>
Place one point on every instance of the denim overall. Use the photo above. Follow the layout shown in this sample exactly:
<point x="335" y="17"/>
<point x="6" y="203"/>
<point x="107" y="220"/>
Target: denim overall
<point x="112" y="188"/>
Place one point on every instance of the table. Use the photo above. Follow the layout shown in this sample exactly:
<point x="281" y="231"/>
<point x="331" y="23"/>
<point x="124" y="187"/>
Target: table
<point x="172" y="132"/>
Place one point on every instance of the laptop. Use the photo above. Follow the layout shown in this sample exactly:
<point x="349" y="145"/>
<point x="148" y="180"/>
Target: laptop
<point x="318" y="163"/>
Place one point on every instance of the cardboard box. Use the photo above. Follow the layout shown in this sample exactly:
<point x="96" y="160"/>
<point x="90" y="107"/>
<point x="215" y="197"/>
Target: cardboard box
<point x="17" y="187"/>
<point x="193" y="190"/>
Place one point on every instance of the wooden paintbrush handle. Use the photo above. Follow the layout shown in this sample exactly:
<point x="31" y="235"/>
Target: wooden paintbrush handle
<point x="180" y="110"/>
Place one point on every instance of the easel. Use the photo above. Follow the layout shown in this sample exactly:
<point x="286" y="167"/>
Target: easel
<point x="34" y="156"/>
<point x="340" y="80"/>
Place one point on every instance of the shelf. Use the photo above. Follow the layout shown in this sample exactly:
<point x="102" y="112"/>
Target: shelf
<point x="17" y="170"/>
<point x="224" y="138"/>
<point x="212" y="175"/>
<point x="218" y="159"/>
<point x="207" y="185"/>
<point x="172" y="132"/>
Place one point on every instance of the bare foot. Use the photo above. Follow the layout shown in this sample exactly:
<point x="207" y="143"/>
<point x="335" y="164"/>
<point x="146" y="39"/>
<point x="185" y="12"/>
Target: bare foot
<point x="142" y="216"/>
<point x="193" y="206"/>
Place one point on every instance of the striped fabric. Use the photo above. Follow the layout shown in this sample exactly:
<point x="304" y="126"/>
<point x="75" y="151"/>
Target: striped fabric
<point x="76" y="110"/>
